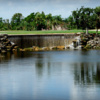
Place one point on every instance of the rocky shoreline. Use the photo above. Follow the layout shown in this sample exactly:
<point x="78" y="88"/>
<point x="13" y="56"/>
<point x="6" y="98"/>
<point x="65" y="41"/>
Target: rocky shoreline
<point x="90" y="41"/>
<point x="6" y="45"/>
<point x="87" y="41"/>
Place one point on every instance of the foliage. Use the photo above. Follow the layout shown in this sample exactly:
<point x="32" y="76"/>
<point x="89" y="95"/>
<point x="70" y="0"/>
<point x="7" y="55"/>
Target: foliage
<point x="1" y="24"/>
<point x="97" y="12"/>
<point x="15" y="21"/>
<point x="83" y="18"/>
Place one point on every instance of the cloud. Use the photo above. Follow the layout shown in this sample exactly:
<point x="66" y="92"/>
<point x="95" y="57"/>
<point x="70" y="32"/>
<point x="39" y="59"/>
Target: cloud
<point x="54" y="1"/>
<point x="10" y="3"/>
<point x="55" y="7"/>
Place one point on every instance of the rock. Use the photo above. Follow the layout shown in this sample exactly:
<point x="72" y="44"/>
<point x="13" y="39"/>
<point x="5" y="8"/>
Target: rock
<point x="15" y="47"/>
<point x="28" y="49"/>
<point x="45" y="48"/>
<point x="22" y="49"/>
<point x="67" y="47"/>
<point x="5" y="44"/>
<point x="92" y="42"/>
<point x="3" y="51"/>
<point x="54" y="47"/>
<point x="60" y="47"/>
<point x="35" y="48"/>
<point x="79" y="33"/>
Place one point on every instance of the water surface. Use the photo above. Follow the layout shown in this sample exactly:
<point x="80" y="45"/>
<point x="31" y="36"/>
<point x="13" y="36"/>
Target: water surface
<point x="50" y="75"/>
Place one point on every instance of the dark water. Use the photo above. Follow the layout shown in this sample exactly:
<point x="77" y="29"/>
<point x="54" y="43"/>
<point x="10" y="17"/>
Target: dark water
<point x="53" y="75"/>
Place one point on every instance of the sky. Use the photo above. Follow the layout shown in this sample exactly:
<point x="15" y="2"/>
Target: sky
<point x="56" y="7"/>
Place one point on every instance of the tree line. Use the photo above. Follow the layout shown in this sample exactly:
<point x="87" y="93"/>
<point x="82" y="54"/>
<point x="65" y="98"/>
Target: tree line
<point x="83" y="18"/>
<point x="34" y="21"/>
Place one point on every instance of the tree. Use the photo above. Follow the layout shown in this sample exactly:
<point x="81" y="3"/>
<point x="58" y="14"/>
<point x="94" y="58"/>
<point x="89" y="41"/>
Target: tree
<point x="75" y="15"/>
<point x="83" y="18"/>
<point x="40" y="21"/>
<point x="97" y="11"/>
<point x="70" y="22"/>
<point x="6" y="24"/>
<point x="49" y="20"/>
<point x="30" y="20"/>
<point x="16" y="20"/>
<point x="56" y="20"/>
<point x="1" y="23"/>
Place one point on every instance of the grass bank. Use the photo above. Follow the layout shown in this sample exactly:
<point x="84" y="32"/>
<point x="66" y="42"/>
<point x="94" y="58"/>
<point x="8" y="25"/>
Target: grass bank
<point x="43" y="32"/>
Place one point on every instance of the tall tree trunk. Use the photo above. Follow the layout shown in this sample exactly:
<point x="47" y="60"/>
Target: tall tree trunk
<point x="97" y="30"/>
<point x="86" y="30"/>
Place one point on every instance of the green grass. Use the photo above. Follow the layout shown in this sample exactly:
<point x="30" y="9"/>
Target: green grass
<point x="43" y="32"/>
<point x="94" y="32"/>
<point x="40" y="32"/>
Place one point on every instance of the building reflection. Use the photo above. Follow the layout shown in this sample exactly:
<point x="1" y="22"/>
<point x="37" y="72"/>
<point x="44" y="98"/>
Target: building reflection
<point x="87" y="73"/>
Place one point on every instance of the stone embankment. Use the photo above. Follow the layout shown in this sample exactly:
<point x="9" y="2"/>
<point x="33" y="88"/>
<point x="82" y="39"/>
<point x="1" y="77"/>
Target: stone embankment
<point x="6" y="45"/>
<point x="90" y="41"/>
<point x="60" y="42"/>
<point x="36" y="48"/>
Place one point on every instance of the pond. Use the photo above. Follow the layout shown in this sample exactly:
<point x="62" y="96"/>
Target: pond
<point x="50" y="75"/>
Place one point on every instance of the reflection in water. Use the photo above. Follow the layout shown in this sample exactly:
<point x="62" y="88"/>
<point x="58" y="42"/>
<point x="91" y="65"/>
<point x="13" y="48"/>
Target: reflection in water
<point x="4" y="57"/>
<point x="13" y="55"/>
<point x="87" y="73"/>
<point x="54" y="75"/>
<point x="39" y="65"/>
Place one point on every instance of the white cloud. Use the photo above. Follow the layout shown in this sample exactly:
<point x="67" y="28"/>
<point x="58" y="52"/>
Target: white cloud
<point x="55" y="7"/>
<point x="10" y="3"/>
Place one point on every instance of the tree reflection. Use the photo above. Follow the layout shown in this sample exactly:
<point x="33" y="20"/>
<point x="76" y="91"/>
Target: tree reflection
<point x="87" y="73"/>
<point x="15" y="55"/>
<point x="5" y="56"/>
<point x="39" y="65"/>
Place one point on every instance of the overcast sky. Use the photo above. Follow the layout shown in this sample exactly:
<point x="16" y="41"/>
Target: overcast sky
<point x="55" y="7"/>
